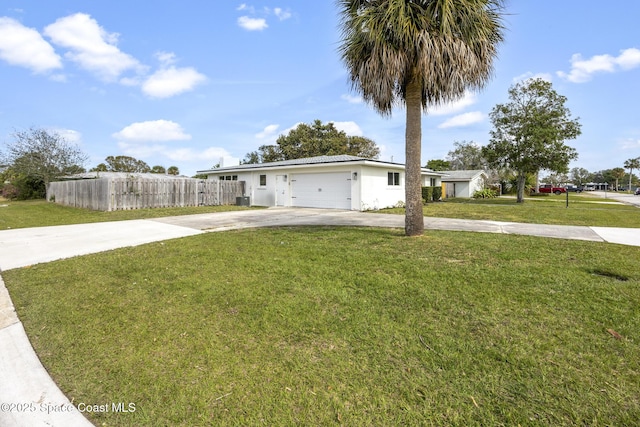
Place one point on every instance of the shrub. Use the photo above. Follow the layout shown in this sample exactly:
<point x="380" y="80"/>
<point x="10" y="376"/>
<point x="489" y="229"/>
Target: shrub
<point x="23" y="188"/>
<point x="485" y="193"/>
<point x="427" y="194"/>
<point x="9" y="191"/>
<point x="437" y="193"/>
<point x="431" y="194"/>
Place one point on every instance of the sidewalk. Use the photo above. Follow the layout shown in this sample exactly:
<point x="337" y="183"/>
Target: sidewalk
<point x="29" y="397"/>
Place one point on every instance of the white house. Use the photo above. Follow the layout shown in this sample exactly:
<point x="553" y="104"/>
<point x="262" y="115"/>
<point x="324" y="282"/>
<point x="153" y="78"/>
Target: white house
<point x="337" y="182"/>
<point x="463" y="183"/>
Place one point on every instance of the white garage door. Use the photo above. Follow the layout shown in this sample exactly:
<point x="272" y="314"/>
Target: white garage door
<point x="321" y="190"/>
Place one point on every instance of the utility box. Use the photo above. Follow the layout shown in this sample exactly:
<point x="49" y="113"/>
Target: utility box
<point x="243" y="201"/>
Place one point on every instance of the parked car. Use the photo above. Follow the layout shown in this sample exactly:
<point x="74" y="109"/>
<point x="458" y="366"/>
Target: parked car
<point x="637" y="193"/>
<point x="548" y="188"/>
<point x="574" y="188"/>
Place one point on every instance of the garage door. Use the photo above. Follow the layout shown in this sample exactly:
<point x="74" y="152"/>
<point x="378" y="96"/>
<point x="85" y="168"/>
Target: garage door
<point x="321" y="190"/>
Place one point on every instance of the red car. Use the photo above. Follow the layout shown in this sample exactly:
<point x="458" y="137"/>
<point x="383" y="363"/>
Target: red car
<point x="548" y="188"/>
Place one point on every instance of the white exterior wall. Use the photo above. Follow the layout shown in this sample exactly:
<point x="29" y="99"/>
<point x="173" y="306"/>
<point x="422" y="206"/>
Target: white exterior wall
<point x="465" y="188"/>
<point x="369" y="188"/>
<point x="476" y="185"/>
<point x="266" y="195"/>
<point x="376" y="191"/>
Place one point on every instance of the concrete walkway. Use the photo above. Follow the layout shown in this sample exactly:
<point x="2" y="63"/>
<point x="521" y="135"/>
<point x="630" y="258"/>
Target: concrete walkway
<point x="29" y="397"/>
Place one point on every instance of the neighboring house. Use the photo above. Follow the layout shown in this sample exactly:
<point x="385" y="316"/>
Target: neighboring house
<point x="463" y="183"/>
<point x="337" y="182"/>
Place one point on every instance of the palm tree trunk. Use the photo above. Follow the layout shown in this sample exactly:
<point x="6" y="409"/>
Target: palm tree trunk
<point x="414" y="217"/>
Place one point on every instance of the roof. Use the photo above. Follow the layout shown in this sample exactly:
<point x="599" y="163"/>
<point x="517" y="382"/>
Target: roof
<point x="465" y="175"/>
<point x="319" y="160"/>
<point x="94" y="175"/>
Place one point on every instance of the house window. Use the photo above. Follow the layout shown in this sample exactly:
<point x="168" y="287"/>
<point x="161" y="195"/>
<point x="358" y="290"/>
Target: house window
<point x="393" y="178"/>
<point x="432" y="182"/>
<point x="229" y="178"/>
<point x="263" y="180"/>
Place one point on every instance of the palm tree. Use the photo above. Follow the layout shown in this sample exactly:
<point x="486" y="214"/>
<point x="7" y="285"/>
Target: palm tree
<point x="418" y="53"/>
<point x="632" y="164"/>
<point x="617" y="174"/>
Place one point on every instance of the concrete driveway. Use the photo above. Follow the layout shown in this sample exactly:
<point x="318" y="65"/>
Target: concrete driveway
<point x="23" y="247"/>
<point x="629" y="199"/>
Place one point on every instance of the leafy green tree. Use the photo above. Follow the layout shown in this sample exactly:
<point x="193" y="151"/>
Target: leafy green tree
<point x="529" y="132"/>
<point x="252" y="158"/>
<point x="37" y="156"/>
<point x="557" y="179"/>
<point x="420" y="54"/>
<point x="101" y="167"/>
<point x="123" y="164"/>
<point x="158" y="169"/>
<point x="173" y="170"/>
<point x="632" y="164"/>
<point x="580" y="175"/>
<point x="315" y="139"/>
<point x="438" y="165"/>
<point x="467" y="155"/>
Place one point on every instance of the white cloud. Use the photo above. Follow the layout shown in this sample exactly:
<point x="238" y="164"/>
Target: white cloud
<point x="244" y="6"/>
<point x="171" y="81"/>
<point x="583" y="69"/>
<point x="189" y="154"/>
<point x="467" y="100"/>
<point x="350" y="128"/>
<point x="529" y="75"/>
<point x="25" y="47"/>
<point x="166" y="58"/>
<point x="152" y="131"/>
<point x="281" y="14"/>
<point x="268" y="132"/>
<point x="91" y="47"/>
<point x="462" y="120"/>
<point x="252" y="24"/>
<point x="629" y="58"/>
<point x="69" y="135"/>
<point x="352" y="99"/>
<point x="211" y="154"/>
<point x="630" y="144"/>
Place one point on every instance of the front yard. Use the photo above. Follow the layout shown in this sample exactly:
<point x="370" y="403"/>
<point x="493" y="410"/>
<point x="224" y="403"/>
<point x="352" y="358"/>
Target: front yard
<point x="343" y="326"/>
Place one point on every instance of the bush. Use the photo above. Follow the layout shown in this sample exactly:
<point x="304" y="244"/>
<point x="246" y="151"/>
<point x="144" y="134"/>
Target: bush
<point x="431" y="194"/>
<point x="437" y="193"/>
<point x="9" y="191"/>
<point x="485" y="193"/>
<point x="23" y="188"/>
<point x="427" y="194"/>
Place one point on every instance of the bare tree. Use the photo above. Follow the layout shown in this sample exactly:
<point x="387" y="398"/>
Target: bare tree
<point x="43" y="155"/>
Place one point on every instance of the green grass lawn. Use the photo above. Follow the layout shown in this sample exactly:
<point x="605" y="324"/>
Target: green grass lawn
<point x="582" y="210"/>
<point x="343" y="326"/>
<point x="38" y="213"/>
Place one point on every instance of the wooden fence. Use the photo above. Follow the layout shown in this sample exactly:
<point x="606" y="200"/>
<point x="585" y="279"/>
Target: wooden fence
<point x="111" y="194"/>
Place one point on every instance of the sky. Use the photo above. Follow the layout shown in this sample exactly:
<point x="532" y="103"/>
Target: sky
<point x="195" y="83"/>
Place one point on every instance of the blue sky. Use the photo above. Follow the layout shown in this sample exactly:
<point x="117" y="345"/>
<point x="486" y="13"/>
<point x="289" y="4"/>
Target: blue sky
<point x="192" y="82"/>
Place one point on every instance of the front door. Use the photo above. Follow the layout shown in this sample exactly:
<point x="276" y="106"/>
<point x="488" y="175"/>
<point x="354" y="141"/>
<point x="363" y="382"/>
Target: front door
<point x="282" y="190"/>
<point x="451" y="190"/>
